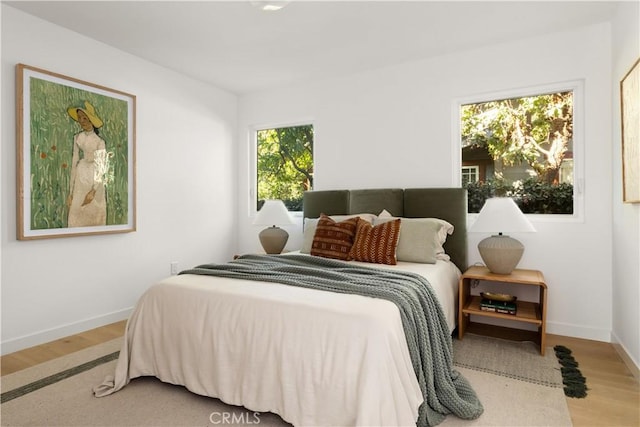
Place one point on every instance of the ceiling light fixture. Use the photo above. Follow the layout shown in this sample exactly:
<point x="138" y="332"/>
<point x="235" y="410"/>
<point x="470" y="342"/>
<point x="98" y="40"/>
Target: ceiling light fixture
<point x="269" y="6"/>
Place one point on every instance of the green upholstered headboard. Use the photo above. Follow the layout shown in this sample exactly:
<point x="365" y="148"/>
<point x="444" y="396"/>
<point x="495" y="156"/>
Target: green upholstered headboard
<point x="449" y="204"/>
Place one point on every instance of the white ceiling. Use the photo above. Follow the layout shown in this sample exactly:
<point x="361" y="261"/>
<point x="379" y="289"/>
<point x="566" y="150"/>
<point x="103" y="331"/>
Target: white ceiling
<point x="236" y="46"/>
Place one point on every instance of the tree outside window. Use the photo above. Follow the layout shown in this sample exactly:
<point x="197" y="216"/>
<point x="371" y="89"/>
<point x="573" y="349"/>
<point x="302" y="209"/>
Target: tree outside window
<point x="521" y="148"/>
<point x="284" y="164"/>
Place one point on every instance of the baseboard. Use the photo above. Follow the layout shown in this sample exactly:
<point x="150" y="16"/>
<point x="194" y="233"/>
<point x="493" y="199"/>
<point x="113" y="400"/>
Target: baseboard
<point x="626" y="357"/>
<point x="577" y="331"/>
<point x="26" y="341"/>
<point x="555" y="328"/>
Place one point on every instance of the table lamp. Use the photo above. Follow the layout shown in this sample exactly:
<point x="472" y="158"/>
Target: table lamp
<point x="501" y="253"/>
<point x="273" y="213"/>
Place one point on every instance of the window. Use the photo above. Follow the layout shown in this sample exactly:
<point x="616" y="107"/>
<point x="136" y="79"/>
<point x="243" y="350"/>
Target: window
<point x="284" y="164"/>
<point x="469" y="174"/>
<point x="520" y="147"/>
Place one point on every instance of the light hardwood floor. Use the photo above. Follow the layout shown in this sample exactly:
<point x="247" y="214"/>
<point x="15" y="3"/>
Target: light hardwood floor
<point x="613" y="396"/>
<point x="32" y="356"/>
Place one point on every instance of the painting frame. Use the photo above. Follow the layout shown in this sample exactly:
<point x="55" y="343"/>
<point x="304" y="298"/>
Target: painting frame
<point x="630" y="127"/>
<point x="76" y="157"/>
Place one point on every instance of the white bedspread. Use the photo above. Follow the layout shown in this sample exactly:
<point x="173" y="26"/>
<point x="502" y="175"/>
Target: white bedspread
<point x="313" y="357"/>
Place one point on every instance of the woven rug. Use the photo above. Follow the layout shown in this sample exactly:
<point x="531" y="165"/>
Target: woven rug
<point x="58" y="393"/>
<point x="510" y="359"/>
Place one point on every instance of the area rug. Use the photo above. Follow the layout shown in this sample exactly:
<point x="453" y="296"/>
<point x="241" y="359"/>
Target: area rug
<point x="517" y="386"/>
<point x="520" y="360"/>
<point x="510" y="393"/>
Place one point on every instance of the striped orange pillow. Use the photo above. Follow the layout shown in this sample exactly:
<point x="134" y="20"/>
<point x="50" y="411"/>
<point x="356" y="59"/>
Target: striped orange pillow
<point x="334" y="239"/>
<point x="376" y="244"/>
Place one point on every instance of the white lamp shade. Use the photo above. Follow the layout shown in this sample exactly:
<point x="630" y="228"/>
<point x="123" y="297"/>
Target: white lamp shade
<point x="501" y="215"/>
<point x="273" y="212"/>
<point x="501" y="254"/>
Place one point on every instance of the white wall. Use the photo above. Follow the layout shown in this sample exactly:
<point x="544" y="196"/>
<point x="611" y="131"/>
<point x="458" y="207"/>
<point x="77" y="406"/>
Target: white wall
<point x="392" y="127"/>
<point x="626" y="217"/>
<point x="385" y="128"/>
<point x="185" y="181"/>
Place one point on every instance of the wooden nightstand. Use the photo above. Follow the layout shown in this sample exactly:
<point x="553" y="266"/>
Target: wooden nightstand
<point x="529" y="312"/>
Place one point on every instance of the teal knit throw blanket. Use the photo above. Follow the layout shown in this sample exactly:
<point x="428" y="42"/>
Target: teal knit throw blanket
<point x="444" y="389"/>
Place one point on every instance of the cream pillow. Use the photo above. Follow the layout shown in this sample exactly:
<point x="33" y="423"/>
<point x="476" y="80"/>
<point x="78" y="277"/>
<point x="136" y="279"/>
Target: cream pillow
<point x="310" y="225"/>
<point x="421" y="239"/>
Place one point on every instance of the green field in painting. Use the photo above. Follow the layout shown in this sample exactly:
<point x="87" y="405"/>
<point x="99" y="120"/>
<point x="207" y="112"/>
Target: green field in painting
<point x="51" y="151"/>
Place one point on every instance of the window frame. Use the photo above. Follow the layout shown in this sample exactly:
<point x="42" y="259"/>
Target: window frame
<point x="475" y="168"/>
<point x="253" y="158"/>
<point x="575" y="86"/>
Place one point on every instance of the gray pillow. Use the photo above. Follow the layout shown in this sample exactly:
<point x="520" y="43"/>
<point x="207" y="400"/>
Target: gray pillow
<point x="421" y="239"/>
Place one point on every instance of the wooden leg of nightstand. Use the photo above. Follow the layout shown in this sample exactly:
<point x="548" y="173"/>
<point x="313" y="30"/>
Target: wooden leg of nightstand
<point x="462" y="325"/>
<point x="541" y="339"/>
<point x="543" y="318"/>
<point x="463" y="295"/>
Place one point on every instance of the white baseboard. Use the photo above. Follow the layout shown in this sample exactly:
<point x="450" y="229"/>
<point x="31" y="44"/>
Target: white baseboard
<point x="26" y="341"/>
<point x="626" y="357"/>
<point x="554" y="328"/>
<point x="577" y="331"/>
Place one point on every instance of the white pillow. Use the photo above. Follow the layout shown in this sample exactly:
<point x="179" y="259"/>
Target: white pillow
<point x="421" y="239"/>
<point x="310" y="225"/>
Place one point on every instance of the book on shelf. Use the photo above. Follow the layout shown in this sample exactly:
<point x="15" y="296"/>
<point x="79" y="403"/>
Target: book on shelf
<point x="506" y="307"/>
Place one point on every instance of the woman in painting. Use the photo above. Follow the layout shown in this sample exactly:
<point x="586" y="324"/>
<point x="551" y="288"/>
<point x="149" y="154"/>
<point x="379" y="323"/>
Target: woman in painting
<point x="87" y="200"/>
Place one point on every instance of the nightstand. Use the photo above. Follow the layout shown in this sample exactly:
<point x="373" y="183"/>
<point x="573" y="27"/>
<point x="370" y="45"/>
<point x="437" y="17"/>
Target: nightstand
<point x="528" y="312"/>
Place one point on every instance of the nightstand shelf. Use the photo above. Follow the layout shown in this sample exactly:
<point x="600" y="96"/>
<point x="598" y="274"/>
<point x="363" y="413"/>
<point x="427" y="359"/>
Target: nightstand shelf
<point x="527" y="312"/>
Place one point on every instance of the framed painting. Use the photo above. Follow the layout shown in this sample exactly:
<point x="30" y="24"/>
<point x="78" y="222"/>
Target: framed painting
<point x="76" y="157"/>
<point x="630" y="115"/>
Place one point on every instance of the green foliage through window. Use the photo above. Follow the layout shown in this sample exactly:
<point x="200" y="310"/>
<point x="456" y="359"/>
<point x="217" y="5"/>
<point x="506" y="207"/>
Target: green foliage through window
<point x="521" y="147"/>
<point x="531" y="195"/>
<point x="284" y="164"/>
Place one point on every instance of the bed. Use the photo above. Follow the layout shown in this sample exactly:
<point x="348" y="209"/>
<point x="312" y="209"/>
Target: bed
<point x="316" y="340"/>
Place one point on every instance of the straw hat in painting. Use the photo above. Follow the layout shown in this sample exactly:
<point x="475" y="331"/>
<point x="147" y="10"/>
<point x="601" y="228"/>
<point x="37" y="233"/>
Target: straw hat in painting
<point x="89" y="111"/>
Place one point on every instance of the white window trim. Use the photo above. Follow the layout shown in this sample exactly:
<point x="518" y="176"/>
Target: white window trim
<point x="577" y="87"/>
<point x="474" y="167"/>
<point x="253" y="159"/>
